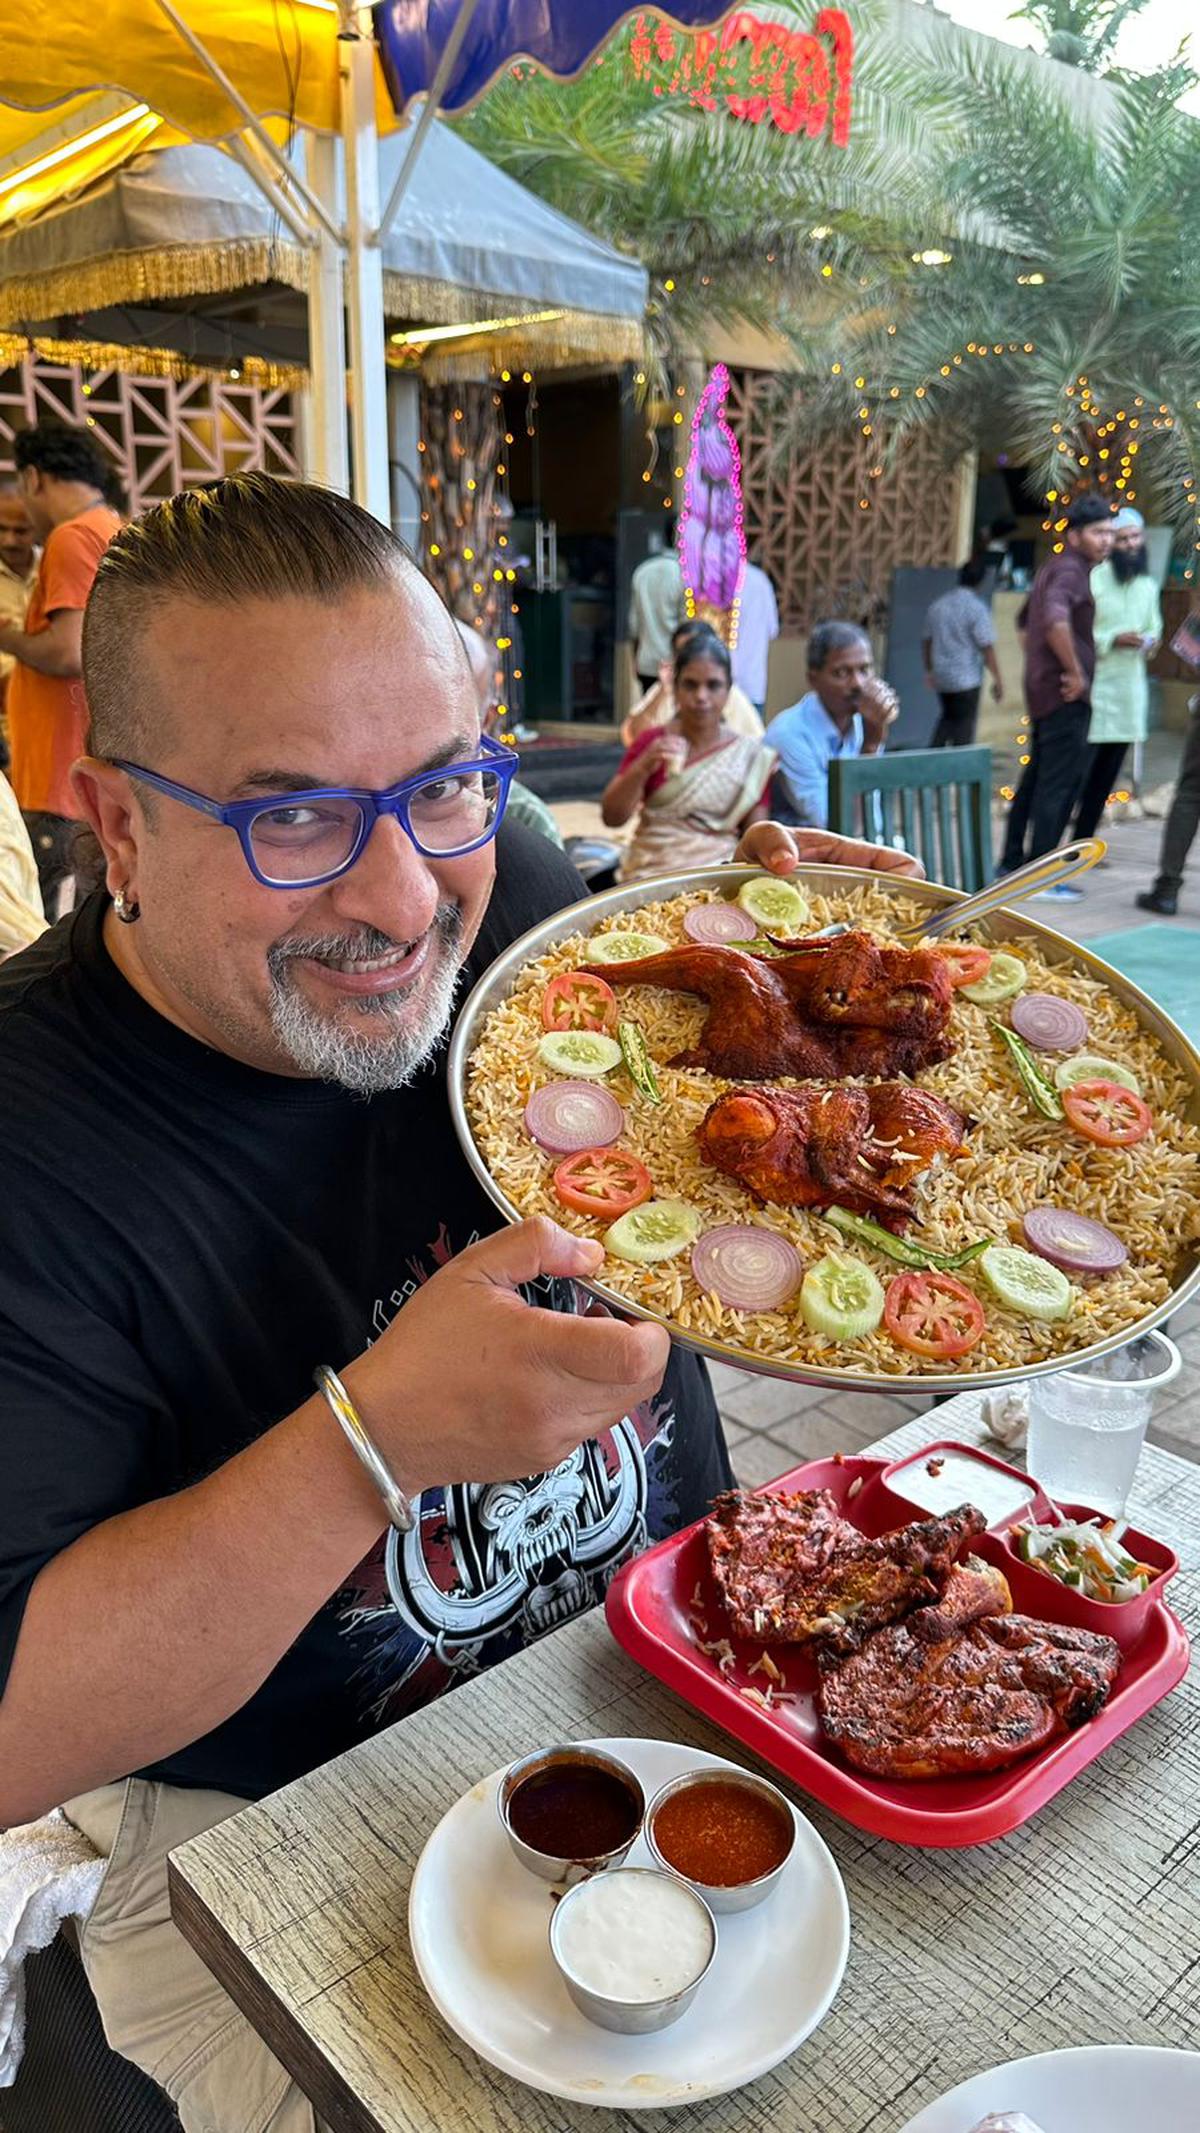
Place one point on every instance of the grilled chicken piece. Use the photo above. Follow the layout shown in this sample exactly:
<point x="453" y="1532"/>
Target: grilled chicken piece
<point x="825" y="1009"/>
<point x="820" y="1147"/>
<point x="912" y="1704"/>
<point x="759" y="1544"/>
<point x="790" y="1572"/>
<point x="972" y="1590"/>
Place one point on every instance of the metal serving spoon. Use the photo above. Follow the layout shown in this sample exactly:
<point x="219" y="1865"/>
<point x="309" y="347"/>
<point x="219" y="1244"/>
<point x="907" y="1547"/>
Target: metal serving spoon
<point x="1011" y="889"/>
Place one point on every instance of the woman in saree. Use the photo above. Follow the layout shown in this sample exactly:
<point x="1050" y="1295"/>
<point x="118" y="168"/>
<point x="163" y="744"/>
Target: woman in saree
<point x="694" y="785"/>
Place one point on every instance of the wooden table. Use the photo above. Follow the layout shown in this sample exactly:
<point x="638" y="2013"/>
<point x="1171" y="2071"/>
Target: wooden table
<point x="1081" y="1928"/>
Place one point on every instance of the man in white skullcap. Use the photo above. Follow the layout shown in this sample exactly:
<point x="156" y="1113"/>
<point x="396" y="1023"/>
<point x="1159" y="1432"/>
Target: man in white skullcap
<point x="1127" y="630"/>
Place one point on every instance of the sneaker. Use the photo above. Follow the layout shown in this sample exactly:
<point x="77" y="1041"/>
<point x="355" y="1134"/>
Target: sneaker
<point x="1164" y="901"/>
<point x="1061" y="892"/>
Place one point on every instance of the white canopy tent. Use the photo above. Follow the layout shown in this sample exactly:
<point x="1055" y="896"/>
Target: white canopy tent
<point x="474" y="260"/>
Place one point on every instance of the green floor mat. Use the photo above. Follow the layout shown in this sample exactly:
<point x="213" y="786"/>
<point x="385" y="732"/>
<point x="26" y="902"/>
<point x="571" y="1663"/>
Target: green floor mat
<point x="1165" y="962"/>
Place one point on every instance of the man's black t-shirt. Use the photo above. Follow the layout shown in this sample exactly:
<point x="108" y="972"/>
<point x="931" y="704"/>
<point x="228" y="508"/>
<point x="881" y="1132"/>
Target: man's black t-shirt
<point x="185" y="1239"/>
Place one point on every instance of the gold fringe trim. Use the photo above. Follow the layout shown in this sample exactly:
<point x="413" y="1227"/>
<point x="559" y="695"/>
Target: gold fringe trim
<point x="578" y="337"/>
<point x="171" y="272"/>
<point x="149" y="276"/>
<point x="149" y="362"/>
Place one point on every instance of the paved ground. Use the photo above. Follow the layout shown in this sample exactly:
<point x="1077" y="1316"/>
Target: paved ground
<point x="772" y="1425"/>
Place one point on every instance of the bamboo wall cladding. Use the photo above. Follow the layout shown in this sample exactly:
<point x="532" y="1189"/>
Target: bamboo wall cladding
<point x="164" y="433"/>
<point x="804" y="517"/>
<point x="461" y="433"/>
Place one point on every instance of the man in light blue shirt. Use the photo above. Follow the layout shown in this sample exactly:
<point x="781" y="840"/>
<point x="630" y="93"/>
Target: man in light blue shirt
<point x="847" y="711"/>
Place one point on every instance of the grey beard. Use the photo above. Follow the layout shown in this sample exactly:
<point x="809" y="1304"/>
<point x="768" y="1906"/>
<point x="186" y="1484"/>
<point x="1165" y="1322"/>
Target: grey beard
<point x="378" y="1059"/>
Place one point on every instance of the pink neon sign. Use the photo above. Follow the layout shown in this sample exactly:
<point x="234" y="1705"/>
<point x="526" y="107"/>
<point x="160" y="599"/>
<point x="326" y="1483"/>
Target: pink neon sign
<point x="797" y="80"/>
<point x="711" y="543"/>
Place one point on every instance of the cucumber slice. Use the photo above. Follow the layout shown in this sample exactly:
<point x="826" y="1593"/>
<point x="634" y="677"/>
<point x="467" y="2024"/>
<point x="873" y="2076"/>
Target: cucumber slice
<point x="1026" y="1283"/>
<point x="579" y="1051"/>
<point x="1005" y="976"/>
<point x="655" y="1230"/>
<point x="625" y="947"/>
<point x="1089" y="1066"/>
<point x="776" y="906"/>
<point x="841" y="1298"/>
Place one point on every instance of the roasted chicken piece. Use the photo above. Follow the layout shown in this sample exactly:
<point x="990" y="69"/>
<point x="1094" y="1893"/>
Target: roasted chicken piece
<point x="759" y="1543"/>
<point x="915" y="1703"/>
<point x="790" y="1568"/>
<point x="825" y="1009"/>
<point x="843" y="1146"/>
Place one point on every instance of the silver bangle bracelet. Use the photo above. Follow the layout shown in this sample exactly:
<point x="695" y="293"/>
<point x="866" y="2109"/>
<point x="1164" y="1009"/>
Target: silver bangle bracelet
<point x="350" y="1422"/>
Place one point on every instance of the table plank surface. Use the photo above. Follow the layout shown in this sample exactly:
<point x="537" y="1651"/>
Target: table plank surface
<point x="1080" y="1928"/>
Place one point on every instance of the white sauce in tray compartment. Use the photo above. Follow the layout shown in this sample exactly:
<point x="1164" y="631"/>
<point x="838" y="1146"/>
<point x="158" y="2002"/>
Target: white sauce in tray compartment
<point x="960" y="1478"/>
<point x="634" y="1936"/>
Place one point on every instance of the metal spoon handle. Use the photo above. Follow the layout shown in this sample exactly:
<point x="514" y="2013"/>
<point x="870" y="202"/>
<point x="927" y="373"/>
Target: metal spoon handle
<point x="1012" y="889"/>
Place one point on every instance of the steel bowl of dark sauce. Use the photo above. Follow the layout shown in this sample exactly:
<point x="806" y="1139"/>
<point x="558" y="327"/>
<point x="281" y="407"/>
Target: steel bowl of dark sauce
<point x="570" y="1811"/>
<point x="730" y="1834"/>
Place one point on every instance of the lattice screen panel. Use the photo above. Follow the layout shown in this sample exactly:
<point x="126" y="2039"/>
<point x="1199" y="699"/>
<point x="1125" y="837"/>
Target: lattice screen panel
<point x="804" y="517"/>
<point x="164" y="433"/>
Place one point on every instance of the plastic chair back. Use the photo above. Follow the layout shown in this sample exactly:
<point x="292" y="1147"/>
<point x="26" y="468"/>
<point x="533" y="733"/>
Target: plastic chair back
<point x="932" y="802"/>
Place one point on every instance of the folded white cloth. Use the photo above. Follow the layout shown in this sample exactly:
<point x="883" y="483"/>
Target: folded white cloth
<point x="48" y="1872"/>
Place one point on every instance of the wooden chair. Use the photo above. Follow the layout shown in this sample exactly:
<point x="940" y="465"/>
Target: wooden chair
<point x="935" y="802"/>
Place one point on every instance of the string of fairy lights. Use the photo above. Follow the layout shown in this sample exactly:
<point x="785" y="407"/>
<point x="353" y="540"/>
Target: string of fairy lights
<point x="495" y="567"/>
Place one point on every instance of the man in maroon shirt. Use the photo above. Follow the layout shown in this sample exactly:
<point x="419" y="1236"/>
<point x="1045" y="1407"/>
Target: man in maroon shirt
<point x="1060" y="660"/>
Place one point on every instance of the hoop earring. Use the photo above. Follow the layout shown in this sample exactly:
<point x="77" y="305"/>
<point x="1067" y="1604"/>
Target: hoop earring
<point x="129" y="911"/>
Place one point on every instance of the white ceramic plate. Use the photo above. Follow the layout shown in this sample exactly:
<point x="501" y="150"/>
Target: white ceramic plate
<point x="479" y="1925"/>
<point x="1101" y="2088"/>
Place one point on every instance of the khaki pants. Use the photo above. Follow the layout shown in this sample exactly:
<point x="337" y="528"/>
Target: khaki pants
<point x="160" y="2005"/>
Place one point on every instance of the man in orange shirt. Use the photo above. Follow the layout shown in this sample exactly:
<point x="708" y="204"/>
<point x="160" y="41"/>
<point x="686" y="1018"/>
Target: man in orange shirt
<point x="64" y="475"/>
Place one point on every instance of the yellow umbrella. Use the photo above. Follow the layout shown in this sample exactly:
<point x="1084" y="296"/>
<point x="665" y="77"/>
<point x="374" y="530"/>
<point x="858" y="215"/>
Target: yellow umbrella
<point x="85" y="87"/>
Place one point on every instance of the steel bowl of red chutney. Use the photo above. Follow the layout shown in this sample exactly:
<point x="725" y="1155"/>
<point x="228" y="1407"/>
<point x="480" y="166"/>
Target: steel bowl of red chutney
<point x="729" y="1834"/>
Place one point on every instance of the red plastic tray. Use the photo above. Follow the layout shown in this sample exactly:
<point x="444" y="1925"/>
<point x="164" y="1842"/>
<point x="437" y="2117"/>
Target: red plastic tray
<point x="664" y="1606"/>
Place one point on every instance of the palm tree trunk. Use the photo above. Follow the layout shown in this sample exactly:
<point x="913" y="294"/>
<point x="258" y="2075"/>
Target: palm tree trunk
<point x="462" y="434"/>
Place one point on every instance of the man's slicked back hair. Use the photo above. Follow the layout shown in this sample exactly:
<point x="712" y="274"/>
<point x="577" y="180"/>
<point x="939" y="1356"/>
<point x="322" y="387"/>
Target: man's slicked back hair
<point x="247" y="537"/>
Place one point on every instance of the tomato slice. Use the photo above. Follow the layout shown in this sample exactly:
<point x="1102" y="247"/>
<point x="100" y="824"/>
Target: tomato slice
<point x="604" y="1182"/>
<point x="967" y="965"/>
<point x="1103" y="1111"/>
<point x="573" y="1001"/>
<point x="934" y="1315"/>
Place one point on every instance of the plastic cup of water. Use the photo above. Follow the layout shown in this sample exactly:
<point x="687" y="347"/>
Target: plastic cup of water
<point x="1087" y="1426"/>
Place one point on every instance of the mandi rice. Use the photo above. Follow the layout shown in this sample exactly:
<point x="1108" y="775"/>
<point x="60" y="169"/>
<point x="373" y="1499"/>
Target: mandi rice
<point x="1148" y="1194"/>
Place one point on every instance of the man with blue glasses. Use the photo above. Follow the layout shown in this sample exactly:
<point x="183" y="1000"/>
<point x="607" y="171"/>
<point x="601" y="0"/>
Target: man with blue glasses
<point x="230" y="1170"/>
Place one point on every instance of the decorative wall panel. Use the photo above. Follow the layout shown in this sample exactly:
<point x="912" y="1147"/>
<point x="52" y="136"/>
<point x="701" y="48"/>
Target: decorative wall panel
<point x="805" y="517"/>
<point x="164" y="433"/>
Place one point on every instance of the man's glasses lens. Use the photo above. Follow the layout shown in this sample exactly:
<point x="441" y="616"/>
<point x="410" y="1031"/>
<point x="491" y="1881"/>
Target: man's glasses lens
<point x="451" y="811"/>
<point x="307" y="839"/>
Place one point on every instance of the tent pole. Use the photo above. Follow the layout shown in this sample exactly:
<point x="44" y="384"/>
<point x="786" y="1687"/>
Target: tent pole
<point x="287" y="211"/>
<point x="445" y="67"/>
<point x="327" y="453"/>
<point x="364" y="272"/>
<point x="270" y="148"/>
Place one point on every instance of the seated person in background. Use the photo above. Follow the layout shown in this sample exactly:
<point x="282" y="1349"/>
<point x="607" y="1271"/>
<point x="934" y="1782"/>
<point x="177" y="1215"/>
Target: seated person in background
<point x="657" y="706"/>
<point x="524" y="806"/>
<point x="847" y="711"/>
<point x="695" y="786"/>
<point x="958" y="641"/>
<point x="202" y="1593"/>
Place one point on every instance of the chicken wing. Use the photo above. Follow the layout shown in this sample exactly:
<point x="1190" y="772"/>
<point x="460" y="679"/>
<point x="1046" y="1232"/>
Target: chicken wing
<point x="841" y="1146"/>
<point x="826" y="1008"/>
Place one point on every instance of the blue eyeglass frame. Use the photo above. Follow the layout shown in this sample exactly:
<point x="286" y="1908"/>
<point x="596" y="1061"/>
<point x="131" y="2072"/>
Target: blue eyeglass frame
<point x="241" y="815"/>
